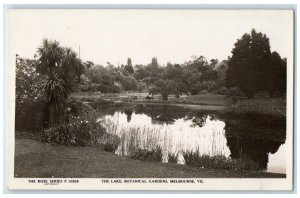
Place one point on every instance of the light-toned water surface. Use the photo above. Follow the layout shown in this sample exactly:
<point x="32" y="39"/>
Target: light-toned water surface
<point x="178" y="133"/>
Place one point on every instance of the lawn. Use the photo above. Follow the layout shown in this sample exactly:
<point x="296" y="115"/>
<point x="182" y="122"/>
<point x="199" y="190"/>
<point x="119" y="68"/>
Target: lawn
<point x="37" y="159"/>
<point x="205" y="99"/>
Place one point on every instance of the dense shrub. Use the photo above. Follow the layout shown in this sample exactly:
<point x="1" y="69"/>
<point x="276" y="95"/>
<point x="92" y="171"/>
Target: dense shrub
<point x="37" y="119"/>
<point x="77" y="108"/>
<point x="204" y="92"/>
<point x="28" y="83"/>
<point x="79" y="128"/>
<point x="141" y="86"/>
<point x="223" y="91"/>
<point x="208" y="85"/>
<point x="78" y="132"/>
<point x="235" y="94"/>
<point x="129" y="83"/>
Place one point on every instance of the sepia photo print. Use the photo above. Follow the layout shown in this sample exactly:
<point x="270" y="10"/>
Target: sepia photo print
<point x="150" y="99"/>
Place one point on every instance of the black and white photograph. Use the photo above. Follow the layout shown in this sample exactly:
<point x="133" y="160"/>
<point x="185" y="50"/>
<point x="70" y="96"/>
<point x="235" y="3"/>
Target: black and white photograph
<point x="154" y="99"/>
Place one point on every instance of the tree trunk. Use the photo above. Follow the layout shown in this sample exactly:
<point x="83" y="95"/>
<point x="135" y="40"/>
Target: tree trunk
<point x="177" y="95"/>
<point x="51" y="113"/>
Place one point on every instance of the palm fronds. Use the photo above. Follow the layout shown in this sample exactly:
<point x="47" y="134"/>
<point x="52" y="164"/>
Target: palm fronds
<point x="59" y="65"/>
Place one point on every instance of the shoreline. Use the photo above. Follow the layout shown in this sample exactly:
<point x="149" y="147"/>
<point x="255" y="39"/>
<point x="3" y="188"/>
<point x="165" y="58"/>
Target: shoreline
<point x="272" y="106"/>
<point x="47" y="160"/>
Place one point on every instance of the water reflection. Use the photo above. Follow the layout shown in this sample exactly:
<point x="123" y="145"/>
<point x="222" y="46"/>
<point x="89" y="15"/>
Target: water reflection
<point x="177" y="130"/>
<point x="277" y="161"/>
<point x="176" y="138"/>
<point x="243" y="148"/>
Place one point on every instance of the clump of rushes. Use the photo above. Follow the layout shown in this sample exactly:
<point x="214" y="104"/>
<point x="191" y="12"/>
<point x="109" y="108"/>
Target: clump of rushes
<point x="218" y="162"/>
<point x="145" y="155"/>
<point x="172" y="158"/>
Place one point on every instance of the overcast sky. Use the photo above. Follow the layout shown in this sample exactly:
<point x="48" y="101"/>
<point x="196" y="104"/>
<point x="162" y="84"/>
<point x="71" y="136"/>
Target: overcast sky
<point x="170" y="35"/>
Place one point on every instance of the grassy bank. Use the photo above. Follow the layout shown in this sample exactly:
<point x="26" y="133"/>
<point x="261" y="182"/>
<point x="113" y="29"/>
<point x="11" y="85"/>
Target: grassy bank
<point x="275" y="106"/>
<point x="36" y="159"/>
<point x="201" y="99"/>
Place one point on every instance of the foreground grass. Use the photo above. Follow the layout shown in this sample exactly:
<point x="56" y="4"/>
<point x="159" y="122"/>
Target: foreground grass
<point x="37" y="159"/>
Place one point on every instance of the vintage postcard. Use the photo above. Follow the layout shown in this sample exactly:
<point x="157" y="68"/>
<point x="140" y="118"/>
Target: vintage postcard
<point x="150" y="99"/>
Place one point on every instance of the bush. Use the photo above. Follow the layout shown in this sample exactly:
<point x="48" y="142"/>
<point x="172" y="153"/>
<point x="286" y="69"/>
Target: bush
<point x="78" y="132"/>
<point x="76" y="108"/>
<point x="28" y="85"/>
<point x="223" y="91"/>
<point x="141" y="86"/>
<point x="80" y="128"/>
<point x="235" y="94"/>
<point x="129" y="83"/>
<point x="204" y="92"/>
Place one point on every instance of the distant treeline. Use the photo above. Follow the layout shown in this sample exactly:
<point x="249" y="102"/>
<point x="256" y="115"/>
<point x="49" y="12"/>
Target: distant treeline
<point x="252" y="69"/>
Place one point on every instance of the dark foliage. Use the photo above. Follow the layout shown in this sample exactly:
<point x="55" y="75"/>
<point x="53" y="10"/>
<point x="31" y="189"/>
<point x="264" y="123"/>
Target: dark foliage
<point x="253" y="68"/>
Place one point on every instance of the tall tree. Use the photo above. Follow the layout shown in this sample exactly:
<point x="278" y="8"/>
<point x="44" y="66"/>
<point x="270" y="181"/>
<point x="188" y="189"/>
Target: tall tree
<point x="250" y="63"/>
<point x="154" y="62"/>
<point x="129" y="62"/>
<point x="128" y="68"/>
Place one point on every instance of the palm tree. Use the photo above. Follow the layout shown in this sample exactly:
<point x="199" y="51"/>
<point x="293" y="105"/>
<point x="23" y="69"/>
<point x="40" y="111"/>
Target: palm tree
<point x="57" y="64"/>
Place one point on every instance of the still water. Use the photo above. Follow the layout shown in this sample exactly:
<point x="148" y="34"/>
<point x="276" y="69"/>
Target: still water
<point x="177" y="130"/>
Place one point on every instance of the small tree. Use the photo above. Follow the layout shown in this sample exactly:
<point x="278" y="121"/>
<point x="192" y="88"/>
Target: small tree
<point x="163" y="87"/>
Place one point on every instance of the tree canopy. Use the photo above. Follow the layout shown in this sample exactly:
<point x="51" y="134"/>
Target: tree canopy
<point x="252" y="67"/>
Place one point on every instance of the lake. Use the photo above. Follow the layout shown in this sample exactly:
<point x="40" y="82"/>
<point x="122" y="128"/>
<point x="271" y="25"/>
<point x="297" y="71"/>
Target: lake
<point x="180" y="129"/>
